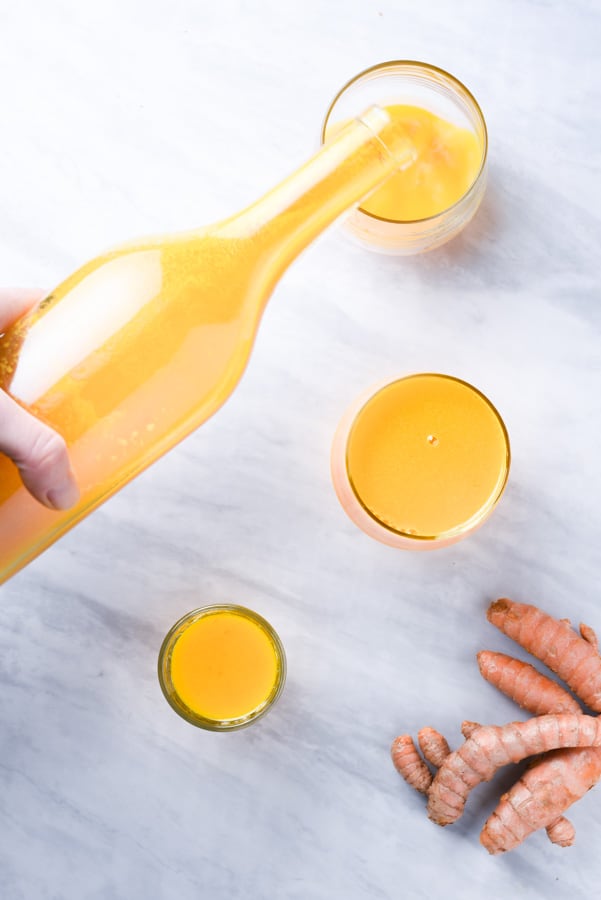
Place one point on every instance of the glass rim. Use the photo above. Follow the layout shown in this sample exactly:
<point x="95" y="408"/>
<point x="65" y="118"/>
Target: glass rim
<point x="428" y="68"/>
<point x="481" y="514"/>
<point x="173" y="698"/>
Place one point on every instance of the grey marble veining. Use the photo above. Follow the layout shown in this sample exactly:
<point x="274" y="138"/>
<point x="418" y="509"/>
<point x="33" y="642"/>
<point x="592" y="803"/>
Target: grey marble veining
<point x="121" y="119"/>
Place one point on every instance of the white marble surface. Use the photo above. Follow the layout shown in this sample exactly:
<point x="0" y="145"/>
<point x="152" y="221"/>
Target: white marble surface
<point x="124" y="118"/>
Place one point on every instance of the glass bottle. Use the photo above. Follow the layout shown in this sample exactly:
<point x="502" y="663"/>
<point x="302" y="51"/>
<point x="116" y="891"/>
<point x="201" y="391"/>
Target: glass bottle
<point x="141" y="345"/>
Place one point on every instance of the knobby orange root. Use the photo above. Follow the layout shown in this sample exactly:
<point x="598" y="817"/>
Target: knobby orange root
<point x="566" y="744"/>
<point x="493" y="746"/>
<point x="433" y="745"/>
<point x="540" y="797"/>
<point x="551" y="784"/>
<point x="409" y="763"/>
<point x="525" y="684"/>
<point x="561" y="832"/>
<point x="572" y="656"/>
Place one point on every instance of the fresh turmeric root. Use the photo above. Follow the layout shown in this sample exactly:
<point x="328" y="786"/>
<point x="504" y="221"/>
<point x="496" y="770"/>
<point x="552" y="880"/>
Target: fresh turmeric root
<point x="491" y="747"/>
<point x="523" y="683"/>
<point x="574" y="657"/>
<point x="553" y="782"/>
<point x="540" y="797"/>
<point x="409" y="763"/>
<point x="433" y="745"/>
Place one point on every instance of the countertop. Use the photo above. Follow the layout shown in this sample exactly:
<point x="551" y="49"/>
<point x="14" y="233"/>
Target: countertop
<point x="121" y="119"/>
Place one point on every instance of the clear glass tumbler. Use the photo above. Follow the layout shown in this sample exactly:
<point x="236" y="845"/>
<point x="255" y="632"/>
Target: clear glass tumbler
<point x="426" y="86"/>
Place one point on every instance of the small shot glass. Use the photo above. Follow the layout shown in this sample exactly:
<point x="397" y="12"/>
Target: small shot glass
<point x="420" y="462"/>
<point x="222" y="667"/>
<point x="407" y="82"/>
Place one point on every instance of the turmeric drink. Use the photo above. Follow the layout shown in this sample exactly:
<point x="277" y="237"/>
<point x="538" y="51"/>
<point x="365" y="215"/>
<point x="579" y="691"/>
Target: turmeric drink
<point x="448" y="160"/>
<point x="422" y="462"/>
<point x="428" y="203"/>
<point x="221" y="667"/>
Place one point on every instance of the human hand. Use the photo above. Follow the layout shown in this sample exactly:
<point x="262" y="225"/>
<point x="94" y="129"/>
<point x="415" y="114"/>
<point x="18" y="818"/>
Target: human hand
<point x="39" y="453"/>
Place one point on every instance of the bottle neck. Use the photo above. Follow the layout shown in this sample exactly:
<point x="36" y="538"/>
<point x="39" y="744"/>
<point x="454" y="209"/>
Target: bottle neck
<point x="362" y="155"/>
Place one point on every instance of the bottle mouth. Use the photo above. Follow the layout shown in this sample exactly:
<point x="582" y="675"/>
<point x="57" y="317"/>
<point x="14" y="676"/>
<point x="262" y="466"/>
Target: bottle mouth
<point x="402" y="149"/>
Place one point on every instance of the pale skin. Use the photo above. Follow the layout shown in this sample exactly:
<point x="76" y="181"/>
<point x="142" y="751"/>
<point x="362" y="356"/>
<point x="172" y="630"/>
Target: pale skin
<point x="37" y="450"/>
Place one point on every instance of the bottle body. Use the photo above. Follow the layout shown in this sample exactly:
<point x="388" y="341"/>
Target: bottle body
<point x="142" y="345"/>
<point x="123" y="361"/>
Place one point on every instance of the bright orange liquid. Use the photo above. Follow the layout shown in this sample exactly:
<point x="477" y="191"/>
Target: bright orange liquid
<point x="117" y="360"/>
<point x="143" y="344"/>
<point x="448" y="160"/>
<point x="427" y="455"/>
<point x="224" y="666"/>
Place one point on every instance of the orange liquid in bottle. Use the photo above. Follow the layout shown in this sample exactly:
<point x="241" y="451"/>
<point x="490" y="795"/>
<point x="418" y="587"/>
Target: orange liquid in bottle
<point x="143" y="344"/>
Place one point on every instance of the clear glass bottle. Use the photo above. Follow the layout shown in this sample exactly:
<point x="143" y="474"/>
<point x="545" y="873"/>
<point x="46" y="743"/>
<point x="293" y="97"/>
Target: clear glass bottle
<point x="141" y="345"/>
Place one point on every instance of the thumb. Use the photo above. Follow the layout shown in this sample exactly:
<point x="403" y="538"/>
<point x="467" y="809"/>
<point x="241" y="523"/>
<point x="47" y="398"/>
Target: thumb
<point x="39" y="453"/>
<point x="14" y="302"/>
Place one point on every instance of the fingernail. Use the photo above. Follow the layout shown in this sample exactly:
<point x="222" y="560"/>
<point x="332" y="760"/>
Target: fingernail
<point x="64" y="496"/>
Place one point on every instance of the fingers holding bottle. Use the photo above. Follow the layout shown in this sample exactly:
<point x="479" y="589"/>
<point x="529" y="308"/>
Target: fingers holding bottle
<point x="15" y="302"/>
<point x="38" y="451"/>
